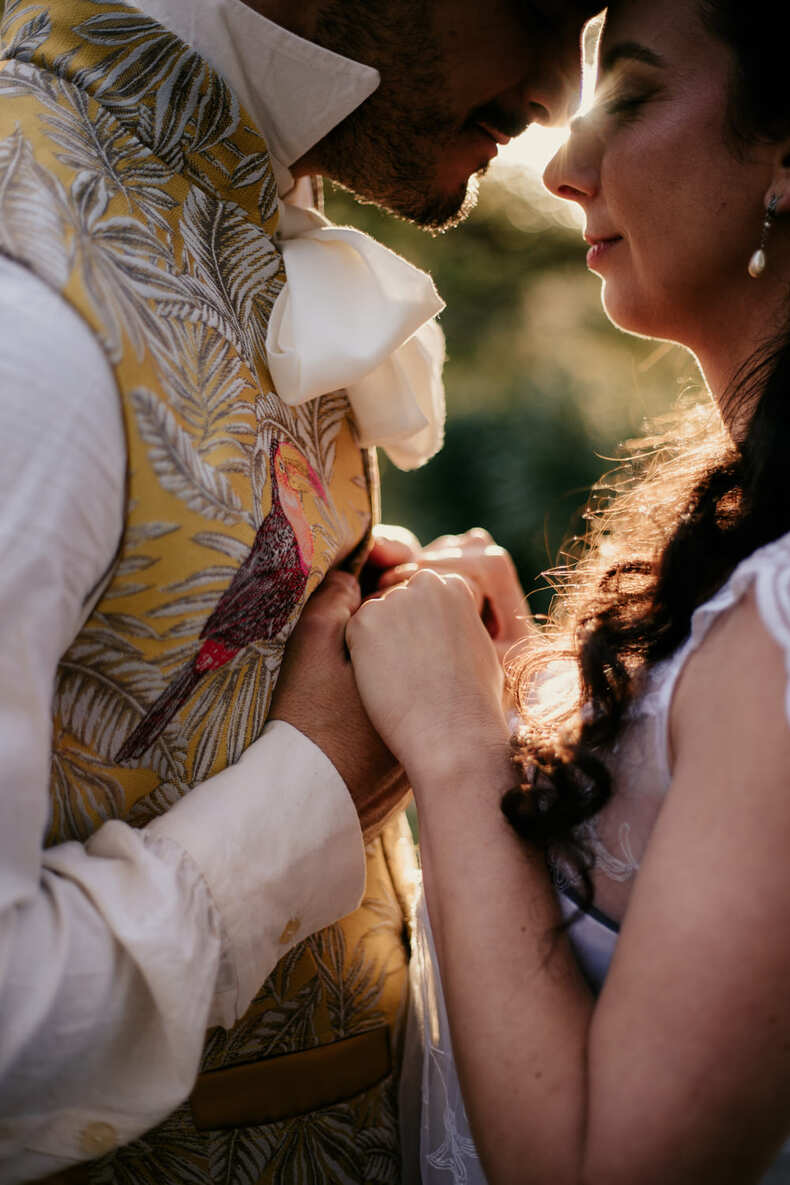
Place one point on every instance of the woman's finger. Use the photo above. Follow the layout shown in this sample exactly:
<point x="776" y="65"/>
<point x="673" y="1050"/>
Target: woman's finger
<point x="489" y="571"/>
<point x="447" y="567"/>
<point x="392" y="545"/>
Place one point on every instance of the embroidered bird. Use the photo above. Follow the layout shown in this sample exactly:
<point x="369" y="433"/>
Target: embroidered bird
<point x="260" y="599"/>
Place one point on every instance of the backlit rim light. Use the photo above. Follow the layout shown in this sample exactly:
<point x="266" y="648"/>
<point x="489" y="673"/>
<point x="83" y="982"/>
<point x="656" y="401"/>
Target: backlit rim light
<point x="535" y="148"/>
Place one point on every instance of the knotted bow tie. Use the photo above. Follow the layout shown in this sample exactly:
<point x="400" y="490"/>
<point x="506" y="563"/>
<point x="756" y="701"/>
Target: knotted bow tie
<point x="354" y="315"/>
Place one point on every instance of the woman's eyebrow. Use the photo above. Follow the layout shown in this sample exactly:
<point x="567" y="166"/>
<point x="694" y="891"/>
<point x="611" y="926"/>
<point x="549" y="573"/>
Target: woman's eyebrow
<point x="631" y="50"/>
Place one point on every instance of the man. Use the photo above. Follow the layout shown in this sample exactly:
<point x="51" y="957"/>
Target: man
<point x="173" y="490"/>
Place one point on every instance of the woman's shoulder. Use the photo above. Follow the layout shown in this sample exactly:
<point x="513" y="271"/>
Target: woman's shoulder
<point x="739" y="649"/>
<point x="752" y="606"/>
<point x="763" y="575"/>
<point x="729" y="724"/>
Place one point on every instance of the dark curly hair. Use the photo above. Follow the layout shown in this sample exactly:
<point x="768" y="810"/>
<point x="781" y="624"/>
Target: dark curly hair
<point x="670" y="529"/>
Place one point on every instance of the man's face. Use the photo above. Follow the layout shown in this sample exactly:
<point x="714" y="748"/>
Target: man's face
<point x="458" y="78"/>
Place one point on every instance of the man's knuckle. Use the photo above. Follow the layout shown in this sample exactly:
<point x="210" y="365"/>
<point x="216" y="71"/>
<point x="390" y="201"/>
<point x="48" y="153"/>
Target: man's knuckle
<point x="340" y="581"/>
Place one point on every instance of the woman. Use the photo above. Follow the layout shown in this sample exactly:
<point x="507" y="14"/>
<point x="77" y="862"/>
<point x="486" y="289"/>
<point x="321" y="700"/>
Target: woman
<point x="657" y="777"/>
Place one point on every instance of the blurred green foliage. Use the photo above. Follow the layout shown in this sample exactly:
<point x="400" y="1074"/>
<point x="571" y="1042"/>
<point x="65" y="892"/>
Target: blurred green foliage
<point x="541" y="389"/>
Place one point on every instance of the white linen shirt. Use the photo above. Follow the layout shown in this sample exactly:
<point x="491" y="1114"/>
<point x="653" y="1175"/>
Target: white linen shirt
<point x="117" y="954"/>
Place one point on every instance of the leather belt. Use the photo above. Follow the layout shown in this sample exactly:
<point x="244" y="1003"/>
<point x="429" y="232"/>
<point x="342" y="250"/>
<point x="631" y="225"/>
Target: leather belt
<point x="292" y="1084"/>
<point x="278" y="1088"/>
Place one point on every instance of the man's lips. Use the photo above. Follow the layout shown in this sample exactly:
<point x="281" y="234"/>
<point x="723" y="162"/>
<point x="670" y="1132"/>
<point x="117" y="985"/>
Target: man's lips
<point x="499" y="137"/>
<point x="497" y="123"/>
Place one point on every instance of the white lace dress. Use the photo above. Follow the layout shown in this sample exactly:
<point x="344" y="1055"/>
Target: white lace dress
<point x="437" y="1142"/>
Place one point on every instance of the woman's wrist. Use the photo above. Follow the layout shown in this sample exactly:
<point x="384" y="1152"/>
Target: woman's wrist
<point x="477" y="761"/>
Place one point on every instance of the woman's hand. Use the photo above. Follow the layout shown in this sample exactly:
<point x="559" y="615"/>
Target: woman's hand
<point x="316" y="693"/>
<point x="490" y="573"/>
<point x="428" y="673"/>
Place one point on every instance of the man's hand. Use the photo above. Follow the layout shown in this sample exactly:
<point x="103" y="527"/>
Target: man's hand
<point x="392" y="546"/>
<point x="317" y="694"/>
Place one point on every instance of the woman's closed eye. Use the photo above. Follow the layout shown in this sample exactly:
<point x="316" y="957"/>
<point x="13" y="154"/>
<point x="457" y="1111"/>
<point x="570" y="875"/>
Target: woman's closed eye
<point x="625" y="103"/>
<point x="623" y="98"/>
<point x="624" y="89"/>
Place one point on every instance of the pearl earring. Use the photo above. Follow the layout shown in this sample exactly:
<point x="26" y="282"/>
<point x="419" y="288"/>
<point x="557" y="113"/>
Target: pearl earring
<point x="758" y="260"/>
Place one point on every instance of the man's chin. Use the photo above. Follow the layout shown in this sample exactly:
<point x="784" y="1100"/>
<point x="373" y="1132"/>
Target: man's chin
<point x="433" y="212"/>
<point x="442" y="216"/>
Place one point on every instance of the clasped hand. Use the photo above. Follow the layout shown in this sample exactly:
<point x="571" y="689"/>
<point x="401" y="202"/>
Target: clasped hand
<point x="393" y="683"/>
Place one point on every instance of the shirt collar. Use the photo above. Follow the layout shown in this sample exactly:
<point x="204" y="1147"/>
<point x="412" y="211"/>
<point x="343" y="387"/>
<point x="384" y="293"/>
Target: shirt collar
<point x="294" y="90"/>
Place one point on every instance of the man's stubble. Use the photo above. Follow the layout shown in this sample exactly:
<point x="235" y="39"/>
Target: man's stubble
<point x="388" y="151"/>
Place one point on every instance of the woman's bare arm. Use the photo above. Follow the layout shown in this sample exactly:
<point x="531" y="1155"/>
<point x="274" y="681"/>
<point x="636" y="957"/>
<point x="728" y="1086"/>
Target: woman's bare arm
<point x="680" y="1072"/>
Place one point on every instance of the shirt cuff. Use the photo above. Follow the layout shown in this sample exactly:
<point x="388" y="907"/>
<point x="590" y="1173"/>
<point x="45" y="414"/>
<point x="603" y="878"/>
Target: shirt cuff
<point x="279" y="844"/>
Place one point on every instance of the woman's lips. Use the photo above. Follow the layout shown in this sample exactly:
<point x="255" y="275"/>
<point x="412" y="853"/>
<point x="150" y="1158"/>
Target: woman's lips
<point x="599" y="247"/>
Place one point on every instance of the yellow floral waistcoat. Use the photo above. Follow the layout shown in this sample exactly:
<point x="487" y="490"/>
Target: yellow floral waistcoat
<point x="133" y="184"/>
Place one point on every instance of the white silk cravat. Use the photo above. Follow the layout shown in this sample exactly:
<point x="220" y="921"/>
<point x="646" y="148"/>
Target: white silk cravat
<point x="354" y="315"/>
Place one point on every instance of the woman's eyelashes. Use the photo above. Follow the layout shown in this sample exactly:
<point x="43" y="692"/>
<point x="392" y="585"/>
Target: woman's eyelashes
<point x="625" y="104"/>
<point x="624" y="93"/>
<point x="624" y="100"/>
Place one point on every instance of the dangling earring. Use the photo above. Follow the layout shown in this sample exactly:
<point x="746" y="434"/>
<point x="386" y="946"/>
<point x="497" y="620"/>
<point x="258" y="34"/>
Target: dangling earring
<point x="758" y="260"/>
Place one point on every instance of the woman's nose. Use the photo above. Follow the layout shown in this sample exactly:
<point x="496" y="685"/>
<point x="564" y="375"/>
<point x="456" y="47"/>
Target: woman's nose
<point x="572" y="172"/>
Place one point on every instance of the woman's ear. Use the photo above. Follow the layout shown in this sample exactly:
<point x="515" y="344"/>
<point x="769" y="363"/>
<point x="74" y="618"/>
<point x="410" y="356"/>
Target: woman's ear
<point x="780" y="182"/>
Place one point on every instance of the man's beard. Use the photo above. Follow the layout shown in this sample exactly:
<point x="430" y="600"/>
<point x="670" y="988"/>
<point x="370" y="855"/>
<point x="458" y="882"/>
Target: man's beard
<point x="389" y="150"/>
<point x="391" y="168"/>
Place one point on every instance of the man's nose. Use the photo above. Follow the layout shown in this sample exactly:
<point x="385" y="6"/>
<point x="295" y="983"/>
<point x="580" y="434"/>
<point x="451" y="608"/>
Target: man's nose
<point x="566" y="40"/>
<point x="572" y="173"/>
<point x="547" y="96"/>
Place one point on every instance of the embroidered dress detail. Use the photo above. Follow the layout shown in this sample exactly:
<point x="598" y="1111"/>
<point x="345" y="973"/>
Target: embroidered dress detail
<point x="447" y="1150"/>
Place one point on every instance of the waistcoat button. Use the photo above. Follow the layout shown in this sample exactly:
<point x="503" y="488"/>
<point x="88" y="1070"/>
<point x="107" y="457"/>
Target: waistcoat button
<point x="97" y="1139"/>
<point x="290" y="931"/>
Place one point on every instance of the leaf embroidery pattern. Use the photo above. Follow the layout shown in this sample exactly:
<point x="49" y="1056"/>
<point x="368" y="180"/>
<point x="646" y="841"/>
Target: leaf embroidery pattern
<point x="140" y="55"/>
<point x="352" y="986"/>
<point x="231" y="274"/>
<point x="98" y="143"/>
<point x="28" y="37"/>
<point x="203" y="380"/>
<point x="123" y="268"/>
<point x="84" y="789"/>
<point x="32" y="212"/>
<point x="178" y="465"/>
<point x="103" y="685"/>
<point x="173" y="1152"/>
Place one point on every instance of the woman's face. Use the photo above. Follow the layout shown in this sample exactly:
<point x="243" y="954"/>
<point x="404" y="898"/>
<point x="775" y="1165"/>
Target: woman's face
<point x="672" y="213"/>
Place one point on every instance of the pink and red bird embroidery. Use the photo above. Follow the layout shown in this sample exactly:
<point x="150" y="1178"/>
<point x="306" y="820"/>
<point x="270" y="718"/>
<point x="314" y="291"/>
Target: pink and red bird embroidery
<point x="259" y="601"/>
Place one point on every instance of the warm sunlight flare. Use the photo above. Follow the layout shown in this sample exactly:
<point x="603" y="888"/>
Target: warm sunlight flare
<point x="534" y="149"/>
